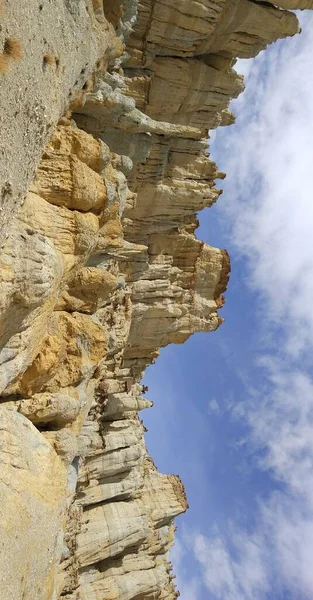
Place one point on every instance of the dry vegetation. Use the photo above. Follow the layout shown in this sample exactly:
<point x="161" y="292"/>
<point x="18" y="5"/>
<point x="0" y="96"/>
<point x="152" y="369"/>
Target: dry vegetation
<point x="49" y="59"/>
<point x="13" y="48"/>
<point x="12" y="51"/>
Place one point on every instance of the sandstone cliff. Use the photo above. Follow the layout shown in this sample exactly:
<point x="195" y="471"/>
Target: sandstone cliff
<point x="104" y="168"/>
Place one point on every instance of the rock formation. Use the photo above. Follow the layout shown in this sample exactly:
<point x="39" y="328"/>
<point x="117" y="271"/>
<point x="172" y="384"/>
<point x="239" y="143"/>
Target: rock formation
<point x="100" y="267"/>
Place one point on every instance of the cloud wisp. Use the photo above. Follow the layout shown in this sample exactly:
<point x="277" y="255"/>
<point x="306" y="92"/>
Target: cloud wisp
<point x="275" y="555"/>
<point x="268" y="158"/>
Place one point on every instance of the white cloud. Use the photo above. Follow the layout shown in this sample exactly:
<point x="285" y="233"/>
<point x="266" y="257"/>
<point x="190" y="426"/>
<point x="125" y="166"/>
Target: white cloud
<point x="214" y="407"/>
<point x="244" y="66"/>
<point x="280" y="417"/>
<point x="227" y="577"/>
<point x="272" y="182"/>
<point x="275" y="557"/>
<point x="269" y="164"/>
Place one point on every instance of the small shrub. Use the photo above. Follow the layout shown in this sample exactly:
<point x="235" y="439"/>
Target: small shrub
<point x="13" y="49"/>
<point x="49" y="59"/>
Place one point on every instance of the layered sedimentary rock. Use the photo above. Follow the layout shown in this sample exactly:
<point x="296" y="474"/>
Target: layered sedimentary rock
<point x="100" y="268"/>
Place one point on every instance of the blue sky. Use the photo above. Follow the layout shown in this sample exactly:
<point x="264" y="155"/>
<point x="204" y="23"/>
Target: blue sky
<point x="233" y="412"/>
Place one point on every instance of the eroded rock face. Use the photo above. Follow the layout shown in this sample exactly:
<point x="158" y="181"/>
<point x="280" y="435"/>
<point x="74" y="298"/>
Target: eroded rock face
<point x="100" y="269"/>
<point x="41" y="82"/>
<point x="34" y="497"/>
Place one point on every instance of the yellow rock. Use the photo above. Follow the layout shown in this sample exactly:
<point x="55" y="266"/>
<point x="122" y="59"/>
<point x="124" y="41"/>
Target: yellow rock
<point x="72" y="346"/>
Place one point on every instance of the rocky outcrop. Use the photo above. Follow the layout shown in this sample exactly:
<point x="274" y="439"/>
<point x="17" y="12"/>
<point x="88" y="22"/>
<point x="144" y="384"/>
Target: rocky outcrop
<point x="34" y="497"/>
<point x="38" y="86"/>
<point x="100" y="268"/>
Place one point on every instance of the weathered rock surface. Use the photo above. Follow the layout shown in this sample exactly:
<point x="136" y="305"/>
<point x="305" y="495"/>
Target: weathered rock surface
<point x="34" y="496"/>
<point x="39" y="86"/>
<point x="100" y="268"/>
